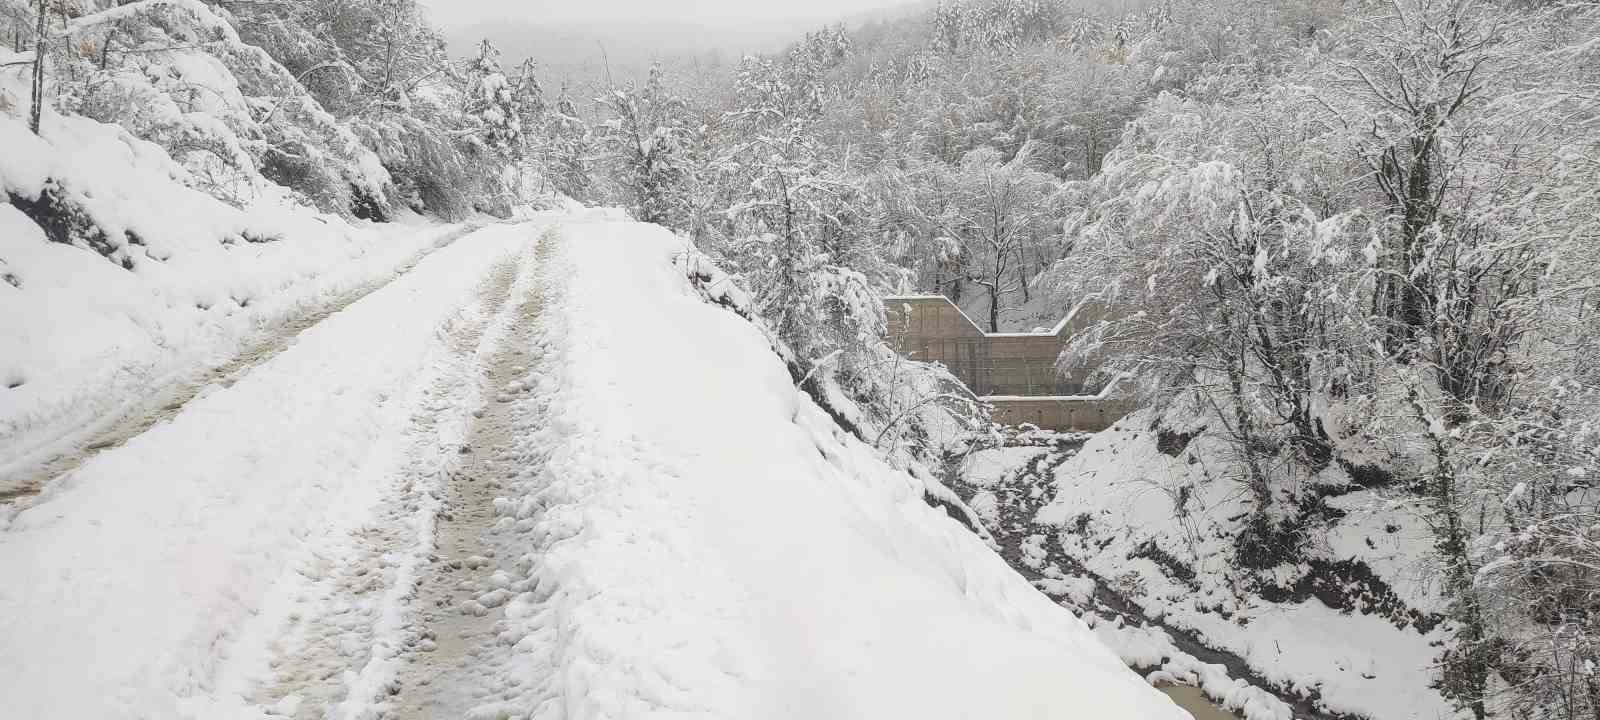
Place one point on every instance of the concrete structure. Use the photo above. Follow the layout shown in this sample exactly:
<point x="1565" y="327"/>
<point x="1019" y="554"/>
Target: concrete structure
<point x="1015" y="372"/>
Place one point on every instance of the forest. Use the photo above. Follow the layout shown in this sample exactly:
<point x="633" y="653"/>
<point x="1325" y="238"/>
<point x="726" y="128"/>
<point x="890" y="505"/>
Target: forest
<point x="1346" y="233"/>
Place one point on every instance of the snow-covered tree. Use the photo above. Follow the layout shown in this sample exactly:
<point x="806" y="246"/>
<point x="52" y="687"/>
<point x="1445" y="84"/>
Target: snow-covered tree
<point x="991" y="222"/>
<point x="569" y="158"/>
<point x="492" y="102"/>
<point x="527" y="96"/>
<point x="642" y="139"/>
<point x="1376" y="254"/>
<point x="1476" y="204"/>
<point x="1223" y="285"/>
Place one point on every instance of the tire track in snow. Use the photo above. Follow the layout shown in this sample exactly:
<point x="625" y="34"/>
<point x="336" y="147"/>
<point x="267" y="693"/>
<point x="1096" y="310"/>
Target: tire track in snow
<point x="457" y="661"/>
<point x="334" y="632"/>
<point x="400" y="609"/>
<point x="163" y="402"/>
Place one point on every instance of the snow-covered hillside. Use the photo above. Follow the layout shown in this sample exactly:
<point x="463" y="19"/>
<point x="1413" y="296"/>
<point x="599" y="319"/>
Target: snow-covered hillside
<point x="643" y="516"/>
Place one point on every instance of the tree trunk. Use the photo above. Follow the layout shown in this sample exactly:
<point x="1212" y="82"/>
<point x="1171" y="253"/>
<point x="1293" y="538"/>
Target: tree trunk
<point x="39" y="48"/>
<point x="105" y="51"/>
<point x="1418" y="217"/>
<point x="1091" y="153"/>
<point x="1410" y="186"/>
<point x="1472" y="664"/>
<point x="1466" y="667"/>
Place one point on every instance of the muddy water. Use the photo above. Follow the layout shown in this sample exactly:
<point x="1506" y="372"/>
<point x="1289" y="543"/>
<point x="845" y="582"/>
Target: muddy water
<point x="1196" y="702"/>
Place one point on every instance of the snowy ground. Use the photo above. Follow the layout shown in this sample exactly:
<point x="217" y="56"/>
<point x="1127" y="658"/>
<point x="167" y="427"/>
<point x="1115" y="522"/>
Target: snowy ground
<point x="1151" y="522"/>
<point x="535" y="476"/>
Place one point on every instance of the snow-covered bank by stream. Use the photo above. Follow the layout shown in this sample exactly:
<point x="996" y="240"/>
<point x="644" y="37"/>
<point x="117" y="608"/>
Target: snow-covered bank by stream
<point x="1151" y="512"/>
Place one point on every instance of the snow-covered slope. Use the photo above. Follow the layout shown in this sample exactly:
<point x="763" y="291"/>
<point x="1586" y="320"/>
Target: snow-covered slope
<point x="1145" y="515"/>
<point x="705" y="542"/>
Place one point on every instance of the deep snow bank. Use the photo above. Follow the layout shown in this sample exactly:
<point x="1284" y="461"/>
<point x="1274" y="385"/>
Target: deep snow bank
<point x="700" y="540"/>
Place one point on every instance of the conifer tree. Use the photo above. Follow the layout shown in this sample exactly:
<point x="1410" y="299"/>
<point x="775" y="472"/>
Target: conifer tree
<point x="492" y="103"/>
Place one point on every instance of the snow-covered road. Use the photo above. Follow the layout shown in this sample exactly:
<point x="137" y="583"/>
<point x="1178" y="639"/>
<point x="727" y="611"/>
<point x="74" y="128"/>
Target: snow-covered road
<point x="538" y="477"/>
<point x="134" y="582"/>
<point x="36" y="455"/>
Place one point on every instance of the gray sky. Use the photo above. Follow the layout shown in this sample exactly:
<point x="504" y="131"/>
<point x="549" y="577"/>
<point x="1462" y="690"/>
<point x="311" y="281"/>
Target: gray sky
<point x="458" y="13"/>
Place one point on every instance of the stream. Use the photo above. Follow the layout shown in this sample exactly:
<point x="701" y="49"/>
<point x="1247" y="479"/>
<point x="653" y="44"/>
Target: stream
<point x="1015" y="524"/>
<point x="1192" y="699"/>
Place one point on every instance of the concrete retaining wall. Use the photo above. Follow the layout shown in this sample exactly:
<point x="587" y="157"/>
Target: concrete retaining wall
<point x="1088" y="414"/>
<point x="1016" y="372"/>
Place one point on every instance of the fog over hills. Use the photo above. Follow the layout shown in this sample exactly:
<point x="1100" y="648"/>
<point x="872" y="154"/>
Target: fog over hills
<point x="578" y="51"/>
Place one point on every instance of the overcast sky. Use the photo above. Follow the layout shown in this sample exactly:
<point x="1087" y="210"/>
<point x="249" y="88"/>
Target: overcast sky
<point x="457" y="13"/>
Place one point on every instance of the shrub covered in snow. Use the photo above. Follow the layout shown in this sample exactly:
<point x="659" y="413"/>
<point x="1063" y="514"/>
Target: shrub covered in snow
<point x="351" y="107"/>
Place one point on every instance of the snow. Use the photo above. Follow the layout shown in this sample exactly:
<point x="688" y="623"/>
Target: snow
<point x="143" y="568"/>
<point x="986" y="506"/>
<point x="988" y="467"/>
<point x="84" y="335"/>
<point x="685" y="533"/>
<point x="208" y="19"/>
<point x="700" y="539"/>
<point x="1123" y="491"/>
